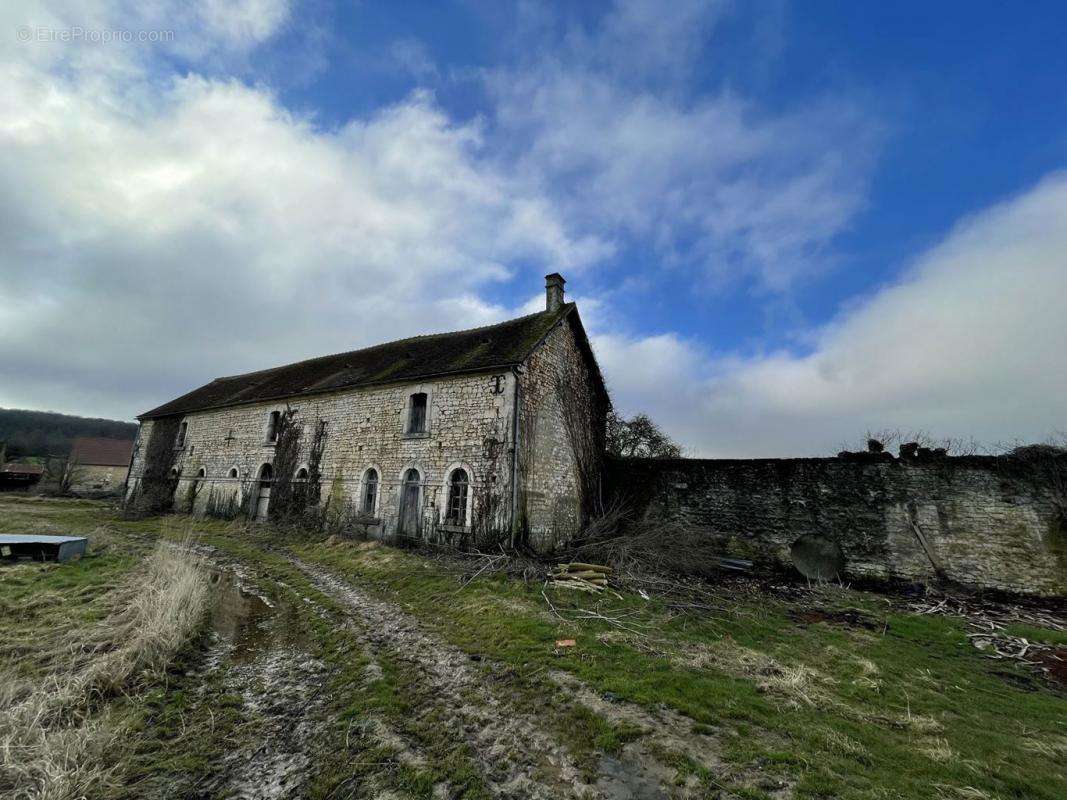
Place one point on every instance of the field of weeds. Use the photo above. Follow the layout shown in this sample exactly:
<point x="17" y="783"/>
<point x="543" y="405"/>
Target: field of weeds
<point x="349" y="669"/>
<point x="77" y="639"/>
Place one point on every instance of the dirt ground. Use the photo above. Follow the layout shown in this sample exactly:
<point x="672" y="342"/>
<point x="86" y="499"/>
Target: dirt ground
<point x="355" y="670"/>
<point x="519" y="755"/>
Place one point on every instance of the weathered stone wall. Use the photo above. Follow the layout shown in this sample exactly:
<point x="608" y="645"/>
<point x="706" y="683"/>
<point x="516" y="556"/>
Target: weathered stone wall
<point x="549" y="501"/>
<point x="988" y="523"/>
<point x="365" y="428"/>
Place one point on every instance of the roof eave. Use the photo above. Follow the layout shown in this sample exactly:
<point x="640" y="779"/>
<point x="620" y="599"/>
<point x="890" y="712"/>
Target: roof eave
<point x="148" y="415"/>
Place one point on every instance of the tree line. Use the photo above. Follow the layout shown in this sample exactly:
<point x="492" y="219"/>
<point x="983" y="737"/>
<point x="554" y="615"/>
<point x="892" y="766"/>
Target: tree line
<point x="44" y="433"/>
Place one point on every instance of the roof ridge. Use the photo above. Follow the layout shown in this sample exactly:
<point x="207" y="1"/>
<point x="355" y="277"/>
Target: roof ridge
<point x="420" y="337"/>
<point x="494" y="346"/>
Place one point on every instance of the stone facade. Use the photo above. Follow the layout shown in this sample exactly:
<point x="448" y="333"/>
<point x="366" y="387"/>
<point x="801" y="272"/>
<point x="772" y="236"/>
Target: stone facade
<point x="986" y="523"/>
<point x="365" y="430"/>
<point x="475" y="422"/>
<point x="547" y="464"/>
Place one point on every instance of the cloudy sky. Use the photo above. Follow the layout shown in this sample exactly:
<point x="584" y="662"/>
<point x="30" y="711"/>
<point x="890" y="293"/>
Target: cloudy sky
<point x="785" y="223"/>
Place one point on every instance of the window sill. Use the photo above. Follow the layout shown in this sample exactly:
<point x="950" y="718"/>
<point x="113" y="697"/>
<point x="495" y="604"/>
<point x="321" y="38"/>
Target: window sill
<point x="444" y="526"/>
<point x="270" y="444"/>
<point x="416" y="435"/>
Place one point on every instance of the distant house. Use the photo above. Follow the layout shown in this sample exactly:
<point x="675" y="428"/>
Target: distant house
<point x="100" y="464"/>
<point x="19" y="476"/>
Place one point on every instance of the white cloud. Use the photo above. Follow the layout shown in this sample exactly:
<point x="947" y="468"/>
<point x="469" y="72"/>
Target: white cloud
<point x="102" y="45"/>
<point x="205" y="230"/>
<point x="970" y="343"/>
<point x="612" y="128"/>
<point x="160" y="231"/>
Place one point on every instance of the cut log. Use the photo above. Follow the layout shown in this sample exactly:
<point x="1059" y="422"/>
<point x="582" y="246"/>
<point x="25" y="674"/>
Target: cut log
<point x="585" y="575"/>
<point x="581" y="586"/>
<point x="578" y="566"/>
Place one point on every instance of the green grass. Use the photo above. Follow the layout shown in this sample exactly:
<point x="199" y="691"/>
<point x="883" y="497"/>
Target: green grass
<point x="1033" y="634"/>
<point x="903" y="712"/>
<point x="906" y="709"/>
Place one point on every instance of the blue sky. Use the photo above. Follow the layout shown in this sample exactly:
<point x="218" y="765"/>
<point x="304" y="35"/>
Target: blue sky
<point x="785" y="223"/>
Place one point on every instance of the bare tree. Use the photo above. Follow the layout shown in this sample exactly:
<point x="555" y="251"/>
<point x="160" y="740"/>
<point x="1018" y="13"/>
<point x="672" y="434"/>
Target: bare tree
<point x="295" y="495"/>
<point x="60" y="475"/>
<point x="639" y="437"/>
<point x="1045" y="465"/>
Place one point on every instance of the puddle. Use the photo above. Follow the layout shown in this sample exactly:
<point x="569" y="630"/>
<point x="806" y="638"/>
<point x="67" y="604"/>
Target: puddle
<point x="240" y="617"/>
<point x="621" y="779"/>
<point x="258" y="655"/>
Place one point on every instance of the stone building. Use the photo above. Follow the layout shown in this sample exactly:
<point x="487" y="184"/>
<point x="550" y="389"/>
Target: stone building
<point x="495" y="430"/>
<point x="99" y="464"/>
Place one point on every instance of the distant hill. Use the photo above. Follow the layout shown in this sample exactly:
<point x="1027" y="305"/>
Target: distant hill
<point x="44" y="433"/>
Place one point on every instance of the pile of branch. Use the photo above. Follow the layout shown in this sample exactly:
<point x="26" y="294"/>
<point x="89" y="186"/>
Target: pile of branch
<point x="583" y="577"/>
<point x="988" y="623"/>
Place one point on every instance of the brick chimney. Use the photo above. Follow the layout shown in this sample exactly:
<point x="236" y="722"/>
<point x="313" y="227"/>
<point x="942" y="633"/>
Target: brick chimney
<point x="554" y="291"/>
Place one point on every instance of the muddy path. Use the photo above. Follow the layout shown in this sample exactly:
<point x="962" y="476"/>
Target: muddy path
<point x="255" y="657"/>
<point x="517" y="757"/>
<point x="517" y="752"/>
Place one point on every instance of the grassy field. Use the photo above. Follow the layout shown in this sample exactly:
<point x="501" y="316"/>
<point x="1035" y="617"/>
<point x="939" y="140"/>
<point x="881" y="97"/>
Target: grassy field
<point x="827" y="693"/>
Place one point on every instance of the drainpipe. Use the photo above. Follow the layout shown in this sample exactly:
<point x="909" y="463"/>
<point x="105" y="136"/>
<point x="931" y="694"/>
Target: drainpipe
<point x="516" y="399"/>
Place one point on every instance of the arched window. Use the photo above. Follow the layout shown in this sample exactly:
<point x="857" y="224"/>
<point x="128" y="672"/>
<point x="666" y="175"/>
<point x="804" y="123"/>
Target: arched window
<point x="266" y="477"/>
<point x="370" y="492"/>
<point x="202" y="473"/>
<point x="233" y="473"/>
<point x="272" y="426"/>
<point x="458" y="489"/>
<point x="302" y="474"/>
<point x="417" y="413"/>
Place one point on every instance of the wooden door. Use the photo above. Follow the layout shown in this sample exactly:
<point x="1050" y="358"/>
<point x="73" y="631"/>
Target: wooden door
<point x="408" y="524"/>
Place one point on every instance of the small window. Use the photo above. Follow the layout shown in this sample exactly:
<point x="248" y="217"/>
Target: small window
<point x="458" y="487"/>
<point x="370" y="491"/>
<point x="302" y="475"/>
<point x="417" y="415"/>
<point x="202" y="473"/>
<point x="233" y="473"/>
<point x="272" y="426"/>
<point x="183" y="429"/>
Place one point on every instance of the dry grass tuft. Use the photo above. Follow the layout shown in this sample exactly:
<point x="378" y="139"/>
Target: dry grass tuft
<point x="1053" y="747"/>
<point x="947" y="792"/>
<point x="796" y="685"/>
<point x="55" y="734"/>
<point x="938" y="750"/>
<point x="845" y="745"/>
<point x="867" y="667"/>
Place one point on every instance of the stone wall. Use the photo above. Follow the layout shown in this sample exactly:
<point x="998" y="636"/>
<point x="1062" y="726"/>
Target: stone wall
<point x="987" y="521"/>
<point x="469" y="426"/>
<point x="549" y="498"/>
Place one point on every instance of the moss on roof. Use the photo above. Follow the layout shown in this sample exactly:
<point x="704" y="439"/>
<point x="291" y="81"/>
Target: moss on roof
<point x="505" y="344"/>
